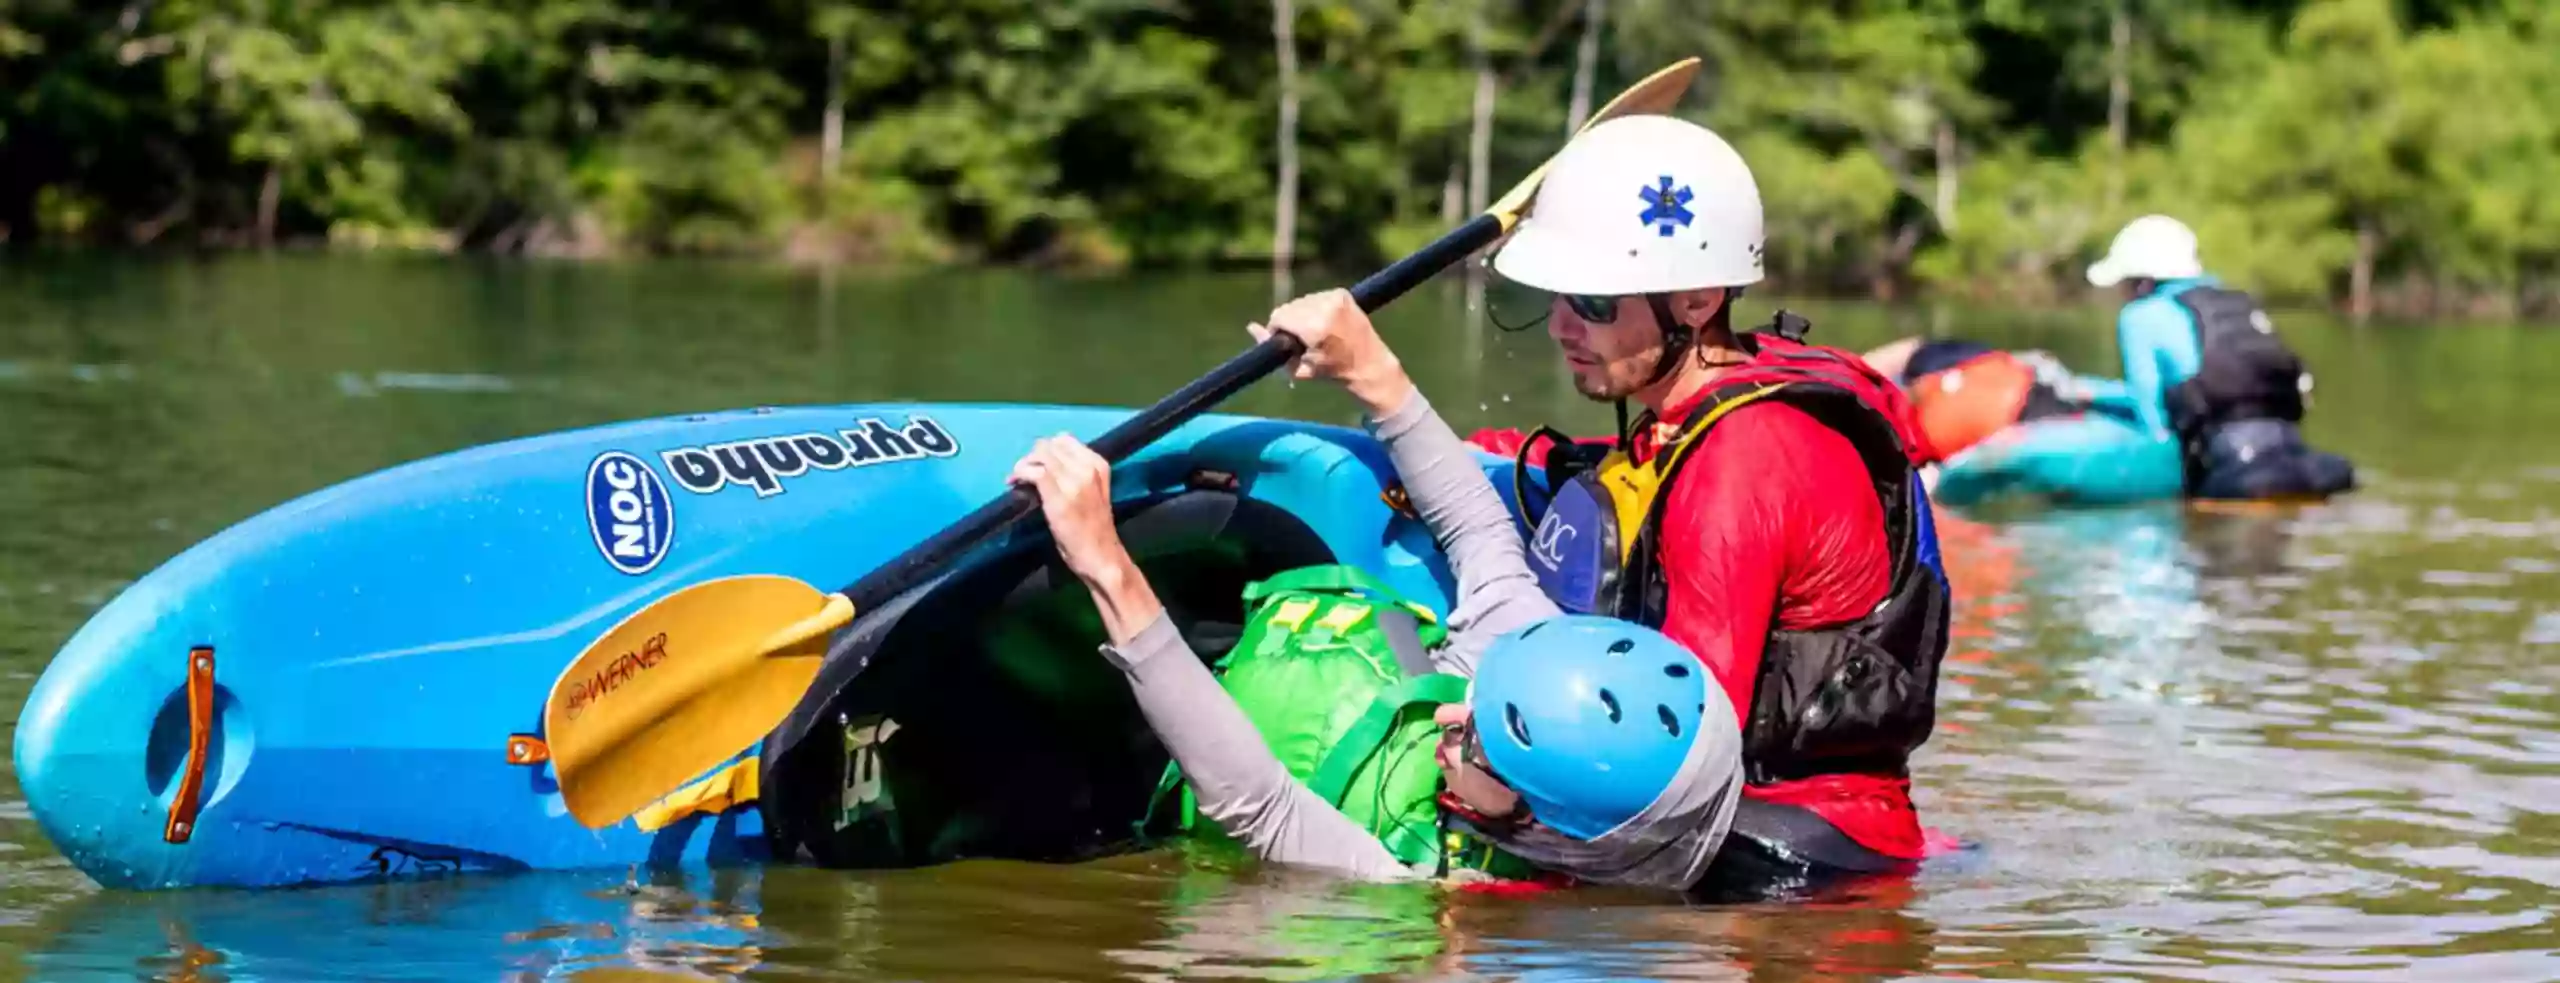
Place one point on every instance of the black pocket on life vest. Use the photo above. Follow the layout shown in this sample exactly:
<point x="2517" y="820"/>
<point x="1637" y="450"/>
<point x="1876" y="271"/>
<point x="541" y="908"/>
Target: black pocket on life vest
<point x="1565" y="458"/>
<point x="1833" y="702"/>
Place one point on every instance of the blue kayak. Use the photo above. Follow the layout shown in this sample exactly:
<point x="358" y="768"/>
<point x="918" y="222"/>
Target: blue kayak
<point x="2089" y="459"/>
<point x="345" y="686"/>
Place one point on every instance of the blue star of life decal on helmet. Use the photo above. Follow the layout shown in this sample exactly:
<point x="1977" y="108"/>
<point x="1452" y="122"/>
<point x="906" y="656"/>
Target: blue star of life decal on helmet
<point x="1665" y="207"/>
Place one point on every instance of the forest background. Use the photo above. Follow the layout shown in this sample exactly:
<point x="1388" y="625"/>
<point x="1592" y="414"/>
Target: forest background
<point x="2371" y="155"/>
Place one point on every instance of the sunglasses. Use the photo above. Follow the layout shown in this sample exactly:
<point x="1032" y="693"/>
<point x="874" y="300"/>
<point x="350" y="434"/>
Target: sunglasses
<point x="1471" y="745"/>
<point x="1471" y="753"/>
<point x="1592" y="310"/>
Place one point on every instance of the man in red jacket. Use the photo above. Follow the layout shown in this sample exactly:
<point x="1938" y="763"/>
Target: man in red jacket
<point x="1763" y="510"/>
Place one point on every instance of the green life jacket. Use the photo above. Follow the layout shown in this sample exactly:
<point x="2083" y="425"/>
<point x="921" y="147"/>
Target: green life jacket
<point x="1316" y="670"/>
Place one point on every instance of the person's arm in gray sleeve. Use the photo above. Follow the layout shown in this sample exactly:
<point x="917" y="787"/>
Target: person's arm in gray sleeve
<point x="1496" y="590"/>
<point x="1237" y="781"/>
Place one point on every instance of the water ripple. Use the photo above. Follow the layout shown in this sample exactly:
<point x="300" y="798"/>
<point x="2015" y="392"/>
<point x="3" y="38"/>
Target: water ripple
<point x="2318" y="743"/>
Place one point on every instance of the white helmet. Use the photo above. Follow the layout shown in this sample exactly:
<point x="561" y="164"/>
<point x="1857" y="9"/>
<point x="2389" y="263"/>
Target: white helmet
<point x="2154" y="247"/>
<point x="1639" y="204"/>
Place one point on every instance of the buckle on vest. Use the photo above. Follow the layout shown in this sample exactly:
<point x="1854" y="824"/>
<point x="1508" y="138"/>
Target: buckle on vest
<point x="1565" y="459"/>
<point x="1791" y="326"/>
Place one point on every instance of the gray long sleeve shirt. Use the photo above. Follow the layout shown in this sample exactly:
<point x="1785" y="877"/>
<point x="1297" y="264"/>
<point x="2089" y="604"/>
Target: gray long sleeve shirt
<point x="1236" y="780"/>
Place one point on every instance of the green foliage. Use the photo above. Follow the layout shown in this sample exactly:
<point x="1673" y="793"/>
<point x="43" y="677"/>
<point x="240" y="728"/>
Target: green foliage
<point x="2362" y="141"/>
<point x="688" y="178"/>
<point x="1832" y="203"/>
<point x="1978" y="146"/>
<point x="2022" y="220"/>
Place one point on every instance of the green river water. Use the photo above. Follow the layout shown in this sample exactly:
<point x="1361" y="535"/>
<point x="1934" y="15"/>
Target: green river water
<point x="2320" y="744"/>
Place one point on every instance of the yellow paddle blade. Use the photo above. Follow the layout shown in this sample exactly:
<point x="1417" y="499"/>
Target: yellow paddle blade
<point x="682" y="685"/>
<point x="1657" y="93"/>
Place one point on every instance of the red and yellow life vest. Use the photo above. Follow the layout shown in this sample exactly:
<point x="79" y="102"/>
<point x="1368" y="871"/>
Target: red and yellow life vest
<point x="1852" y="697"/>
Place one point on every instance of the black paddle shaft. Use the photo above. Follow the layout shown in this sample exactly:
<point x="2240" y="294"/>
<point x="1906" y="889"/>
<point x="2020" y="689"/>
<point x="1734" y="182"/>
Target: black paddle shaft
<point x="1017" y="503"/>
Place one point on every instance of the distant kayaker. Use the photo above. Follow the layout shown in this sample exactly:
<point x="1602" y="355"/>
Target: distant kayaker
<point x="1963" y="391"/>
<point x="2204" y="367"/>
<point x="1588" y="747"/>
<point x="1764" y="510"/>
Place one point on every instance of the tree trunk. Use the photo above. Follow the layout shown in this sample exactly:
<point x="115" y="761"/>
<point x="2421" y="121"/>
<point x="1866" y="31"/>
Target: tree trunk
<point x="1479" y="143"/>
<point x="147" y="231"/>
<point x="1885" y="277"/>
<point x="1480" y="131"/>
<point x="1586" y="62"/>
<point x="2360" y="278"/>
<point x="1453" y="196"/>
<point x="1453" y="203"/>
<point x="268" y="191"/>
<point x="1526" y="59"/>
<point x="1946" y="154"/>
<point x="1284" y="232"/>
<point x="831" y="127"/>
<point x="2119" y="99"/>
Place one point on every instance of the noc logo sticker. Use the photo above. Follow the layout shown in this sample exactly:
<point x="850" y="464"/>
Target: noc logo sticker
<point x="628" y="512"/>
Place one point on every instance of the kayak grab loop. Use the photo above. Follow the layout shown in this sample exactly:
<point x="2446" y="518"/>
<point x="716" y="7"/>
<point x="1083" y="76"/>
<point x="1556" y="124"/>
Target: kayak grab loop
<point x="1396" y="499"/>
<point x="526" y="749"/>
<point x="182" y="810"/>
<point x="200" y="745"/>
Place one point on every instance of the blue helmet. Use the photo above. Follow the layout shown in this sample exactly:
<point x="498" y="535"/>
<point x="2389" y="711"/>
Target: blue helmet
<point x="1588" y="718"/>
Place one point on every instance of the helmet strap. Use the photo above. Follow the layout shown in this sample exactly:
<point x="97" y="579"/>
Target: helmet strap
<point x="1679" y="340"/>
<point x="1677" y="337"/>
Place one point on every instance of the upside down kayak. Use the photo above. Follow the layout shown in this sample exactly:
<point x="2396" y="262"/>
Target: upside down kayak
<point x="350" y="686"/>
<point x="2090" y="458"/>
